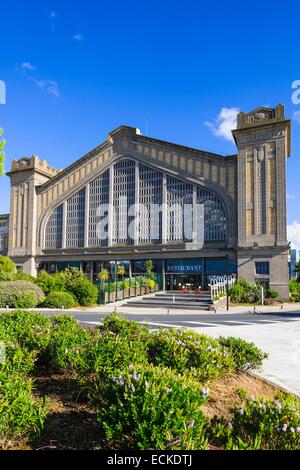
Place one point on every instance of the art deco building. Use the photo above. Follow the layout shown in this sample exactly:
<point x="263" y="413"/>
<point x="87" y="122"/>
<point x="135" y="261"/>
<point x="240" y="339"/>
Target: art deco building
<point x="55" y="215"/>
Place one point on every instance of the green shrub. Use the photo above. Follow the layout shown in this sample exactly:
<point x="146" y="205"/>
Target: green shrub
<point x="24" y="277"/>
<point x="20" y="414"/>
<point x="271" y="294"/>
<point x="294" y="287"/>
<point x="10" y="294"/>
<point x="118" y="325"/>
<point x="261" y="424"/>
<point x="26" y="300"/>
<point x="29" y="329"/>
<point x="15" y="358"/>
<point x="50" y="282"/>
<point x="84" y="291"/>
<point x="148" y="407"/>
<point x="244" y="292"/>
<point x="4" y="276"/>
<point x="59" y="300"/>
<point x="67" y="343"/>
<point x="184" y="350"/>
<point x="246" y="356"/>
<point x="7" y="265"/>
<point x="107" y="353"/>
<point x="70" y="277"/>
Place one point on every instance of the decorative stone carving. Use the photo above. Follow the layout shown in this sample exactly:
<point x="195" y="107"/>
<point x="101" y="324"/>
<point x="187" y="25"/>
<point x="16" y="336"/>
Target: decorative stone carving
<point x="259" y="116"/>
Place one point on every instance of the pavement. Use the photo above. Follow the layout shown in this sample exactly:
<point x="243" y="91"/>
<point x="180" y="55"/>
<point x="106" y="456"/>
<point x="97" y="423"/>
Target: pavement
<point x="275" y="330"/>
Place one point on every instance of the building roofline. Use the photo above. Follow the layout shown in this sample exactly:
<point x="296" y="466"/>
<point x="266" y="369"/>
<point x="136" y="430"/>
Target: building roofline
<point x="109" y="141"/>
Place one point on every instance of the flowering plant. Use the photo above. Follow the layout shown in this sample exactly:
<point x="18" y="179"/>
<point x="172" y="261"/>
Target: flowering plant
<point x="184" y="351"/>
<point x="261" y="424"/>
<point x="152" y="407"/>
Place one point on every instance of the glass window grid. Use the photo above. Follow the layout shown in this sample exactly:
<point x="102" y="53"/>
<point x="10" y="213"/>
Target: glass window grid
<point x="53" y="231"/>
<point x="75" y="220"/>
<point x="179" y="193"/>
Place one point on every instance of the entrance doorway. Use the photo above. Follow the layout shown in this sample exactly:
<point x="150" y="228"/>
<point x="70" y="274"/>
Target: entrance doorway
<point x="184" y="282"/>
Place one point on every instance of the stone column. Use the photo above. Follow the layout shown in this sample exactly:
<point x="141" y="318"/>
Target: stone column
<point x="281" y="191"/>
<point x="242" y="197"/>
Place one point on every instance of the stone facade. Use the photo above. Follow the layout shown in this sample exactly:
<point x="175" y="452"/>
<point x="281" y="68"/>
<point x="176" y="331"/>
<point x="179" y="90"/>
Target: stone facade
<point x="251" y="186"/>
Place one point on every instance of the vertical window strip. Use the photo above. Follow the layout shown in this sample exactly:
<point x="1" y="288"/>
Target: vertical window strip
<point x="124" y="197"/>
<point x="99" y="195"/>
<point x="178" y="195"/>
<point x="75" y="220"/>
<point x="150" y="200"/>
<point x="215" y="223"/>
<point x="53" y="231"/>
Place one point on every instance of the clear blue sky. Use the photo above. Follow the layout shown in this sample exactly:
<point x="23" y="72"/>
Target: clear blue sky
<point x="76" y="70"/>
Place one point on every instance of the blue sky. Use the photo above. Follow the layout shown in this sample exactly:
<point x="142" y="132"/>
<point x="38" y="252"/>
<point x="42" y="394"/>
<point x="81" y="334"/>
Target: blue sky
<point x="75" y="71"/>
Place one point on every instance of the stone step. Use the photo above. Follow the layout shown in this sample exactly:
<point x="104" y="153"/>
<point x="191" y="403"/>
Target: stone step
<point x="176" y="305"/>
<point x="179" y="299"/>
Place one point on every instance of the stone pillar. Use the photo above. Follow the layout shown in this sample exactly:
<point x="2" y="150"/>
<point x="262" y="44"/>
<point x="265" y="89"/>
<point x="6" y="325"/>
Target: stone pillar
<point x="263" y="129"/>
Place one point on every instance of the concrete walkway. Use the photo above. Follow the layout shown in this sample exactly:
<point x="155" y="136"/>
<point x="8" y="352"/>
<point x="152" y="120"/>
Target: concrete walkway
<point x="280" y="340"/>
<point x="121" y="307"/>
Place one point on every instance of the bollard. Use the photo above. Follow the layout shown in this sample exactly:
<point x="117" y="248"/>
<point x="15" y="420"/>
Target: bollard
<point x="254" y="309"/>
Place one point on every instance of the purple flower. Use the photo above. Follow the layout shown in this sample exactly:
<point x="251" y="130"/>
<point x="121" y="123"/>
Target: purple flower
<point x="205" y="391"/>
<point x="114" y="379"/>
<point x="137" y="376"/>
<point x="297" y="429"/>
<point x="168" y="390"/>
<point x="121" y="381"/>
<point x="191" y="423"/>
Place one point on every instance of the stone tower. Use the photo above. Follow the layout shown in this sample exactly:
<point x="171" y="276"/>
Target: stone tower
<point x="263" y="141"/>
<point x="26" y="174"/>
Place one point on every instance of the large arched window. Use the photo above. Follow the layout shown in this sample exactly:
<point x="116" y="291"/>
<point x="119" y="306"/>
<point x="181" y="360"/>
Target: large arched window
<point x="161" y="200"/>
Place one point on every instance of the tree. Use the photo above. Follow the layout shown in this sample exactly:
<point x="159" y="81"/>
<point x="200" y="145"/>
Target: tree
<point x="149" y="266"/>
<point x="103" y="275"/>
<point x="121" y="271"/>
<point x="2" y="154"/>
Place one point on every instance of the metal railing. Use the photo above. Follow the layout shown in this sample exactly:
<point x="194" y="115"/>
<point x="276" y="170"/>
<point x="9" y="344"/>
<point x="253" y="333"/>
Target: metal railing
<point x="114" y="291"/>
<point x="220" y="284"/>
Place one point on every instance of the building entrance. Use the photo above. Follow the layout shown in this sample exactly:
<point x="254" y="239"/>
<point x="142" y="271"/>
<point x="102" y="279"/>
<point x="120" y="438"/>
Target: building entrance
<point x="184" y="282"/>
